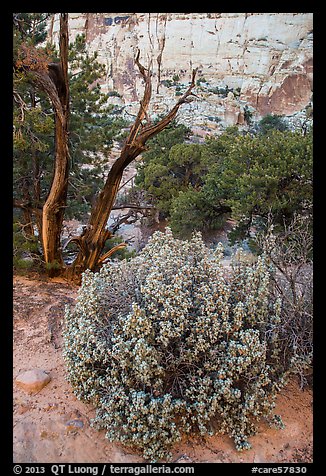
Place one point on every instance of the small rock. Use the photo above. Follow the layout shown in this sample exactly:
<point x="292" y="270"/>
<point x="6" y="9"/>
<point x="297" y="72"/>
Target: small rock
<point x="51" y="406"/>
<point x="33" y="381"/>
<point x="184" y="459"/>
<point x="73" y="425"/>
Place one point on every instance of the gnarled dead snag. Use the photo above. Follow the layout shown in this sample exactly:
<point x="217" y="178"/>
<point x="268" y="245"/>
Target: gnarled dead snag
<point x="92" y="242"/>
<point x="53" y="80"/>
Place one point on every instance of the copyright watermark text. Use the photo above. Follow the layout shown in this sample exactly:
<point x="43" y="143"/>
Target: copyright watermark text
<point x="279" y="470"/>
<point x="95" y="470"/>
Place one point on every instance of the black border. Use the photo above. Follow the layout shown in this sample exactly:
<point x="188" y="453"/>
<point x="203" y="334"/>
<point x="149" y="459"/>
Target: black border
<point x="6" y="273"/>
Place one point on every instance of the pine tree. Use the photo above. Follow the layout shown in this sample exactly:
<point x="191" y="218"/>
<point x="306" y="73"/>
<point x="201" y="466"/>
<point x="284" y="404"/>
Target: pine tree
<point x="93" y="127"/>
<point x="33" y="133"/>
<point x="88" y="124"/>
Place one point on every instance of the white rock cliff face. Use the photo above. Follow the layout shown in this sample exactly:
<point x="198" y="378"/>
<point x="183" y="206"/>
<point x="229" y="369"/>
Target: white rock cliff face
<point x="265" y="58"/>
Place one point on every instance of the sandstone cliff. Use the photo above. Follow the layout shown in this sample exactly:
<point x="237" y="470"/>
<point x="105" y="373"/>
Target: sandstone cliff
<point x="265" y="59"/>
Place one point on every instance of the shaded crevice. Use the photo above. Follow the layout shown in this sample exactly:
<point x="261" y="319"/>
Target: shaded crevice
<point x="161" y="42"/>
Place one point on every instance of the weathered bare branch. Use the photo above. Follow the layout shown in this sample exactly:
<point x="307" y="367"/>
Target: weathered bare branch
<point x="25" y="205"/>
<point x="144" y="103"/>
<point x="127" y="181"/>
<point x="44" y="81"/>
<point x="150" y="131"/>
<point x="95" y="235"/>
<point x="111" y="252"/>
<point x="21" y="103"/>
<point x="135" y="207"/>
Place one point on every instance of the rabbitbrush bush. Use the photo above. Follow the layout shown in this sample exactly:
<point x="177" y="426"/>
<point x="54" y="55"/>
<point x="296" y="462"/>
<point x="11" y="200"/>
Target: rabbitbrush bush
<point x="166" y="345"/>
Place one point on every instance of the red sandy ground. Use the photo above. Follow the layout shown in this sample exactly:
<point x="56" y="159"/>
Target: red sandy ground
<point x="41" y="433"/>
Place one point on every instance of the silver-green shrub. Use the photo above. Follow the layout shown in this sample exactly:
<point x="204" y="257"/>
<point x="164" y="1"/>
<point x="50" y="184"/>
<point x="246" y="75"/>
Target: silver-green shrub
<point x="166" y="344"/>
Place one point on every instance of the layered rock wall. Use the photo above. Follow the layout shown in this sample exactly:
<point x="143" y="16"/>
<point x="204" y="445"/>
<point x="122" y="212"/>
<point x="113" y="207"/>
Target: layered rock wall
<point x="266" y="59"/>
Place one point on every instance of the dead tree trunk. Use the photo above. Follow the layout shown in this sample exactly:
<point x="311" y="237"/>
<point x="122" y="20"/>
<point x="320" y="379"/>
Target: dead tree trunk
<point x="92" y="241"/>
<point x="55" y="83"/>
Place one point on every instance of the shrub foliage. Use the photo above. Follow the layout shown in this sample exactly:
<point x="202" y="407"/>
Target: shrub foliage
<point x="196" y="187"/>
<point x="167" y="344"/>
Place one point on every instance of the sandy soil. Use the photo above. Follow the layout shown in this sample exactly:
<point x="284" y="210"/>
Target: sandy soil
<point x="52" y="426"/>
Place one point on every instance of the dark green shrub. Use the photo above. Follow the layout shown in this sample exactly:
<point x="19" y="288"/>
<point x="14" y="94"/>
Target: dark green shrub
<point x="237" y="91"/>
<point x="25" y="248"/>
<point x="120" y="254"/>
<point x="247" y="114"/>
<point x="166" y="344"/>
<point x="114" y="94"/>
<point x="272" y="122"/>
<point x="200" y="80"/>
<point x="167" y="83"/>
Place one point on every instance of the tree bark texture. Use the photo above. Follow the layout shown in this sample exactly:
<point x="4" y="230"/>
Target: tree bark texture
<point x="55" y="83"/>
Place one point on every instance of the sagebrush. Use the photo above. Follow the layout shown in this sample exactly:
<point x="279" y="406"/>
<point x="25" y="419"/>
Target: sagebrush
<point x="166" y="344"/>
